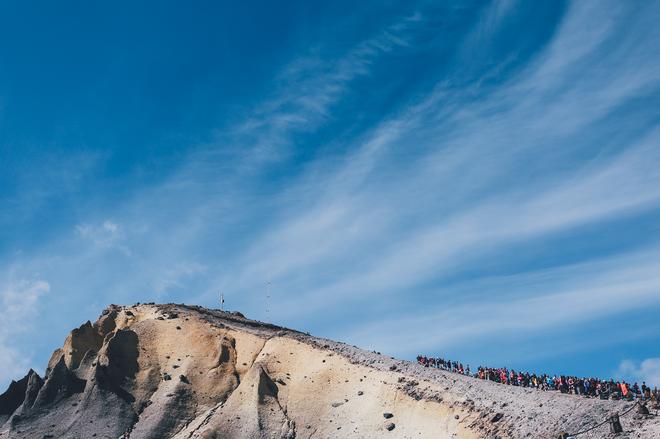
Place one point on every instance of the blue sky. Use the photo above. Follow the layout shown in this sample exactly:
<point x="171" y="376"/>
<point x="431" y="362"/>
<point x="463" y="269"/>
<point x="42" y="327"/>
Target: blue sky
<point x="477" y="180"/>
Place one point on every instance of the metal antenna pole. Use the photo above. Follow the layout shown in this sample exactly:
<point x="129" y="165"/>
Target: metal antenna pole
<point x="222" y="301"/>
<point x="268" y="297"/>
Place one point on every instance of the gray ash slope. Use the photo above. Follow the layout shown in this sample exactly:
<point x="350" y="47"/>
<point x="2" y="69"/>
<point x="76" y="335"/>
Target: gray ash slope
<point x="176" y="371"/>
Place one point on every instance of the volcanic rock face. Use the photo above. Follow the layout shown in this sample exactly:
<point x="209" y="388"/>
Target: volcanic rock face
<point x="12" y="399"/>
<point x="172" y="371"/>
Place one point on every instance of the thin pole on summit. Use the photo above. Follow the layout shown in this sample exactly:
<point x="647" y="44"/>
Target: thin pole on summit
<point x="268" y="298"/>
<point x="222" y="301"/>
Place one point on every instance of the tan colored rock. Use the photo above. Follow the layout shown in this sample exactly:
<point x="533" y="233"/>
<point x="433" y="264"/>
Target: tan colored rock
<point x="236" y="378"/>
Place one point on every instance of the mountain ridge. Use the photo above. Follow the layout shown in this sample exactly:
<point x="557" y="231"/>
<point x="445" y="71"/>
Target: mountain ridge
<point x="181" y="371"/>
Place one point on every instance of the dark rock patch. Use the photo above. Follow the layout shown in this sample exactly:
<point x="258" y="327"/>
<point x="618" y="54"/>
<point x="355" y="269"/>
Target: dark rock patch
<point x="120" y="364"/>
<point x="15" y="394"/>
<point x="497" y="417"/>
<point x="61" y="383"/>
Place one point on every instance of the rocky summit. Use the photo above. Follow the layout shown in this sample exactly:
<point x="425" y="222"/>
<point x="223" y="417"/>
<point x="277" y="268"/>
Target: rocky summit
<point x="176" y="371"/>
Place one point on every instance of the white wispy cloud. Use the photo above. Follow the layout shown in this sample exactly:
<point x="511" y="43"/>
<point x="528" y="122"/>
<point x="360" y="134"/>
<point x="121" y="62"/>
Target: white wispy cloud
<point x="107" y="235"/>
<point x="174" y="276"/>
<point x="459" y="171"/>
<point x="43" y="180"/>
<point x="410" y="218"/>
<point x="307" y="89"/>
<point x="647" y="370"/>
<point x="453" y="194"/>
<point x="20" y="300"/>
<point x="528" y="303"/>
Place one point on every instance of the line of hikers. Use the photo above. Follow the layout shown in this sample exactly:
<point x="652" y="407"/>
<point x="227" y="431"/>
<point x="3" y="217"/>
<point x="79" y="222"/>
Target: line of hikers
<point x="590" y="387"/>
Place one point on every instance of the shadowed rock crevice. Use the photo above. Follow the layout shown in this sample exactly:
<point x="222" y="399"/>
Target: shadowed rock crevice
<point x="106" y="323"/>
<point x="60" y="384"/>
<point x="251" y="411"/>
<point x="15" y="395"/>
<point x="226" y="348"/>
<point x="35" y="383"/>
<point x="266" y="387"/>
<point x="118" y="364"/>
<point x="223" y="371"/>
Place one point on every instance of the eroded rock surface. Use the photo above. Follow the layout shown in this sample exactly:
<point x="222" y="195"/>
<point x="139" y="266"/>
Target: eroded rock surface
<point x="174" y="371"/>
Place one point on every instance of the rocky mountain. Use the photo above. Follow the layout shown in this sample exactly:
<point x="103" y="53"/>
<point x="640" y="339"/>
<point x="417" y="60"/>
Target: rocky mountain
<point x="184" y="372"/>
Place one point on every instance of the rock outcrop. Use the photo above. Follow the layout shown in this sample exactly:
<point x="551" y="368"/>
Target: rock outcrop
<point x="175" y="371"/>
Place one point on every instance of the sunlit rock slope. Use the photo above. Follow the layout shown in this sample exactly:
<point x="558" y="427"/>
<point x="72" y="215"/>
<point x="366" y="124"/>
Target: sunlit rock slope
<point x="175" y="371"/>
